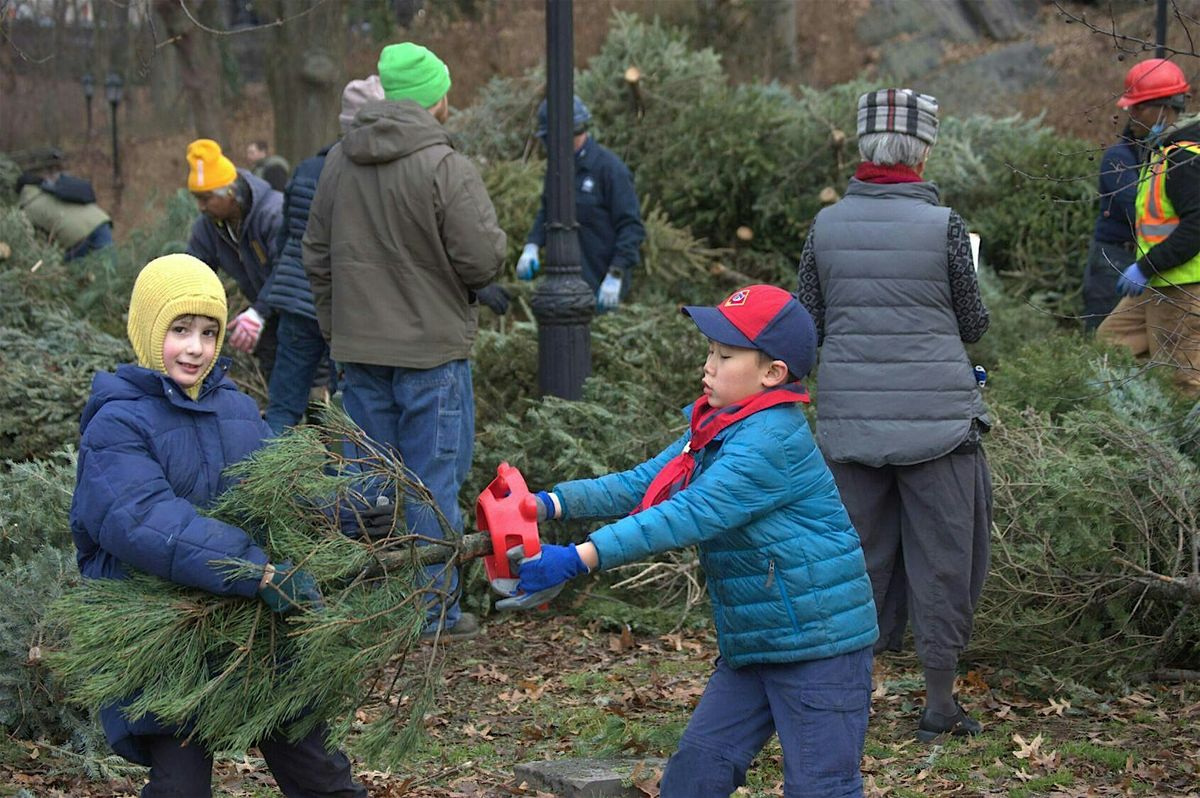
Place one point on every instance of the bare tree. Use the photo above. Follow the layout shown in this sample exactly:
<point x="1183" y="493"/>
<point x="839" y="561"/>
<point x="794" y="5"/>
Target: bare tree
<point x="199" y="63"/>
<point x="305" y="73"/>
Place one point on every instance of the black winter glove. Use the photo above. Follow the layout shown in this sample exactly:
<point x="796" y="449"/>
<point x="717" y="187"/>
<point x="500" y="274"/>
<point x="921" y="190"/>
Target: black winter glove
<point x="378" y="521"/>
<point x="495" y="297"/>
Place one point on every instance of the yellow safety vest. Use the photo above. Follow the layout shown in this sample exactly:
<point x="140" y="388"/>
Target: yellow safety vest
<point x="1156" y="218"/>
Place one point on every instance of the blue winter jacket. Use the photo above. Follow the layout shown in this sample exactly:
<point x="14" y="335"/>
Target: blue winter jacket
<point x="149" y="459"/>
<point x="248" y="261"/>
<point x="1118" y="184"/>
<point x="785" y="568"/>
<point x="608" y="212"/>
<point x="289" y="290"/>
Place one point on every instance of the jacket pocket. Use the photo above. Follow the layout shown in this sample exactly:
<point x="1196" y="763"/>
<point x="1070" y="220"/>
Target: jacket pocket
<point x="773" y="577"/>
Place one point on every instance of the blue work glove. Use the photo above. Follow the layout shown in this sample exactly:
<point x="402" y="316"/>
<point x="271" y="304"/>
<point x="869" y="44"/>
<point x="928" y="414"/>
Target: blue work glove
<point x="527" y="264"/>
<point x="609" y="295"/>
<point x="495" y="297"/>
<point x="1131" y="282"/>
<point x="291" y="589"/>
<point x="542" y="575"/>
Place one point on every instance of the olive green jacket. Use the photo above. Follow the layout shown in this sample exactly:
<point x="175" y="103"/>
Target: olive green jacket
<point x="400" y="235"/>
<point x="66" y="223"/>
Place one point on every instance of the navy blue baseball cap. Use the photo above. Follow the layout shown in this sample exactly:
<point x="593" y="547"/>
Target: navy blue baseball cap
<point x="763" y="317"/>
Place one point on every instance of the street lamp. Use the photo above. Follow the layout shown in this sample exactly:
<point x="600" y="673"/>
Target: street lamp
<point x="112" y="90"/>
<point x="563" y="304"/>
<point x="89" y="88"/>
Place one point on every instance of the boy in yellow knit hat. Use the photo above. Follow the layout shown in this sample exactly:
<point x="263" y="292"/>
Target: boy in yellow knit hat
<point x="156" y="439"/>
<point x="240" y="219"/>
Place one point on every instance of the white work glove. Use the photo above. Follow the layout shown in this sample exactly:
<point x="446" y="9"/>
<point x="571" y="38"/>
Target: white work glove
<point x="609" y="295"/>
<point x="527" y="264"/>
<point x="244" y="331"/>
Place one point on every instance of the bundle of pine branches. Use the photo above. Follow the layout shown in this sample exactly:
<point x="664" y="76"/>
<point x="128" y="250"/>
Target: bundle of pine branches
<point x="232" y="671"/>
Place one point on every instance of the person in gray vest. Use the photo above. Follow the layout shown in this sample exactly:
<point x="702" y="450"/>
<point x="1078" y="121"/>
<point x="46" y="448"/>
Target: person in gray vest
<point x="888" y="277"/>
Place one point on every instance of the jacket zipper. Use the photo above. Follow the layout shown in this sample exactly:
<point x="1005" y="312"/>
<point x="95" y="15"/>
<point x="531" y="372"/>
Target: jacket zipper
<point x="770" y="575"/>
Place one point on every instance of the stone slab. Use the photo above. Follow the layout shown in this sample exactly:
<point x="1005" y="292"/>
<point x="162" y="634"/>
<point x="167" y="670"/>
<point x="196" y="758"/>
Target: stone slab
<point x="587" y="778"/>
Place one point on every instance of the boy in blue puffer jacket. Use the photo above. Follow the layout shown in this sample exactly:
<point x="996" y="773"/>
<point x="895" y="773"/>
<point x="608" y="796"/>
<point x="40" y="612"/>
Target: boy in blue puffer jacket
<point x="790" y="595"/>
<point x="156" y="439"/>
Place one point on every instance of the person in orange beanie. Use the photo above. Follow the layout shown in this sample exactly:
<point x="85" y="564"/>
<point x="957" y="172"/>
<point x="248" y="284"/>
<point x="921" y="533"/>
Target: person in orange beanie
<point x="240" y="218"/>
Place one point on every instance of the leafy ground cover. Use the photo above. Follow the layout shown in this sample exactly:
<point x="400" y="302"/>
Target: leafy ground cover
<point x="612" y="680"/>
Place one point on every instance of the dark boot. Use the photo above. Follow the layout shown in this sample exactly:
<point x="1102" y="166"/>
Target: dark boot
<point x="935" y="724"/>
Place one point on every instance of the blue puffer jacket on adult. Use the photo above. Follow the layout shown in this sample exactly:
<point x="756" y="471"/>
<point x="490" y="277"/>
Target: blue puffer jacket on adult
<point x="785" y="568"/>
<point x="289" y="289"/>
<point x="149" y="459"/>
<point x="247" y="260"/>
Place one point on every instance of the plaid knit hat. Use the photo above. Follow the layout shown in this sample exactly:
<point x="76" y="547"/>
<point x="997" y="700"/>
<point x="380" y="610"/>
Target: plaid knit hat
<point x="898" y="111"/>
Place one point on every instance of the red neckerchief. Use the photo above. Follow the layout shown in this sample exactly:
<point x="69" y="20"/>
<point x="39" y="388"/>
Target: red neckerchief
<point x="875" y="173"/>
<point x="707" y="422"/>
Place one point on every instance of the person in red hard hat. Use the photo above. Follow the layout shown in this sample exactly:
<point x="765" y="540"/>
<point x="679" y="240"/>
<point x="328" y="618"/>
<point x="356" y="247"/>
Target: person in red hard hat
<point x="1158" y="317"/>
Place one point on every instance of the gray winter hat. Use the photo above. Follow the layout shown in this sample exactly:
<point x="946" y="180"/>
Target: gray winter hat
<point x="357" y="94"/>
<point x="898" y="111"/>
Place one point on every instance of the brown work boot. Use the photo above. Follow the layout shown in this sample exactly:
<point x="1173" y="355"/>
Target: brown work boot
<point x="466" y="628"/>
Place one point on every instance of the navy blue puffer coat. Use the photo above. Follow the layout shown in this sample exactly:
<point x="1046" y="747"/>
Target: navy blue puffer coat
<point x="289" y="290"/>
<point x="150" y="459"/>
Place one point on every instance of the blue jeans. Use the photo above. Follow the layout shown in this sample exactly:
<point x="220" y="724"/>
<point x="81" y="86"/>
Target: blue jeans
<point x="300" y="351"/>
<point x="99" y="238"/>
<point x="427" y="416"/>
<point x="819" y="709"/>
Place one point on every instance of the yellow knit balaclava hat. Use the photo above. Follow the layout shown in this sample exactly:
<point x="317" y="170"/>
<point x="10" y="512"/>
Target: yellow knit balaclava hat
<point x="167" y="288"/>
<point x="208" y="169"/>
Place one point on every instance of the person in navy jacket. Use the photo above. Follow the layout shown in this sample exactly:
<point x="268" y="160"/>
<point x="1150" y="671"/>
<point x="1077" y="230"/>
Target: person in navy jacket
<point x="791" y="599"/>
<point x="608" y="212"/>
<point x="156" y="439"/>
<point x="1113" y="240"/>
<point x="237" y="233"/>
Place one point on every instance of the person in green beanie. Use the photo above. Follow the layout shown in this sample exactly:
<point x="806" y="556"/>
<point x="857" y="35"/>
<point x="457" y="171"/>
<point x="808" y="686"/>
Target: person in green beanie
<point x="401" y="240"/>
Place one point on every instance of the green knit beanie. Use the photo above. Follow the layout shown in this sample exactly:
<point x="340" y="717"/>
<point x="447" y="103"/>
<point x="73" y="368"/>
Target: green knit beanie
<point x="411" y="72"/>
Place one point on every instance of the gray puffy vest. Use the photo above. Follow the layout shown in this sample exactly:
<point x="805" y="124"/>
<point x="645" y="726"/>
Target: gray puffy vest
<point x="894" y="385"/>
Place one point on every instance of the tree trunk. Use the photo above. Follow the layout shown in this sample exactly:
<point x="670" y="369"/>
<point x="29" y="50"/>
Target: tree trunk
<point x="305" y="74"/>
<point x="199" y="70"/>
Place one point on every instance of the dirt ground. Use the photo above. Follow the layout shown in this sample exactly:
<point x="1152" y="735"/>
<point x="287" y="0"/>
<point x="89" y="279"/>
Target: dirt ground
<point x="548" y="687"/>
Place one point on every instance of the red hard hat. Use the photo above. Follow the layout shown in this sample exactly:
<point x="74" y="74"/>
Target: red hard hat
<point x="1152" y="79"/>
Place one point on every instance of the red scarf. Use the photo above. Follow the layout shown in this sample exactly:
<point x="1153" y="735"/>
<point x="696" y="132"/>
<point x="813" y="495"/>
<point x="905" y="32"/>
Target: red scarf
<point x="707" y="423"/>
<point x="869" y="172"/>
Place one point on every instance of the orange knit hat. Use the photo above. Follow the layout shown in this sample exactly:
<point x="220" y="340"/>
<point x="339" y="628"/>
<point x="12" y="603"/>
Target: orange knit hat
<point x="208" y="169"/>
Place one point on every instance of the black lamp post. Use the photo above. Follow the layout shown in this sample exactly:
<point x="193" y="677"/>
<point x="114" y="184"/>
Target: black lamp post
<point x="112" y="90"/>
<point x="89" y="88"/>
<point x="563" y="303"/>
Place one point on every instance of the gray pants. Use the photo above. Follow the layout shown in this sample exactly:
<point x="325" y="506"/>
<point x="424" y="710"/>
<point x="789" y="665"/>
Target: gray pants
<point x="925" y="532"/>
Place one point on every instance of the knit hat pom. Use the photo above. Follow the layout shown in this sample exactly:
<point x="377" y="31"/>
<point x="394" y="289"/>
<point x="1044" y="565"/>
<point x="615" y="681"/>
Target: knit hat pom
<point x="167" y="288"/>
<point x="208" y="169"/>
<point x="411" y="72"/>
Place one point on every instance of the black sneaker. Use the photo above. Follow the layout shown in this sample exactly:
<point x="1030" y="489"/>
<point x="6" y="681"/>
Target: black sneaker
<point x="466" y="628"/>
<point x="935" y="724"/>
